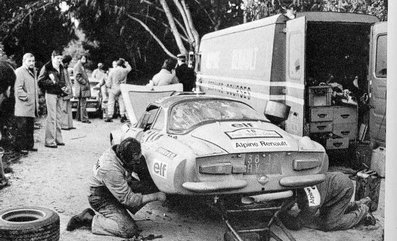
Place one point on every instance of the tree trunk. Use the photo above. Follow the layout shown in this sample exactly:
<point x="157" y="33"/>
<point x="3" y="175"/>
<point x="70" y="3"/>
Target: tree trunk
<point x="174" y="30"/>
<point x="196" y="36"/>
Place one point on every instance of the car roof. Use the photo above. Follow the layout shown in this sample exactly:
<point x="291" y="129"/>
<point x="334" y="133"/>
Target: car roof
<point x="188" y="96"/>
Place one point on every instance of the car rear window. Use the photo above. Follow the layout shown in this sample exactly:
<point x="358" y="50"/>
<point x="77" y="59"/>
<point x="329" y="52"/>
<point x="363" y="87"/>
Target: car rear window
<point x="186" y="115"/>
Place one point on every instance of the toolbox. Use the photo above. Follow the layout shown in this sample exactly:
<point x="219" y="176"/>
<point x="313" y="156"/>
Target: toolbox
<point x="320" y="95"/>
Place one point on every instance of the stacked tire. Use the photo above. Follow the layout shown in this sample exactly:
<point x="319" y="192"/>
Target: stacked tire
<point x="29" y="224"/>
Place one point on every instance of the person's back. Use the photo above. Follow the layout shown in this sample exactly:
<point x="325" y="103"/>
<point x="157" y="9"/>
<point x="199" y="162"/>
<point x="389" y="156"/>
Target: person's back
<point x="118" y="75"/>
<point x="185" y="74"/>
<point x="166" y="75"/>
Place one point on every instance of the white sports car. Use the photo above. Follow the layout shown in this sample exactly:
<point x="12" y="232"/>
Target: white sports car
<point x="195" y="144"/>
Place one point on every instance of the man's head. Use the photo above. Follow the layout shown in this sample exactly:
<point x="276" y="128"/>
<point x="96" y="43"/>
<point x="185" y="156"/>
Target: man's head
<point x="28" y="61"/>
<point x="100" y="66"/>
<point x="114" y="63"/>
<point x="83" y="59"/>
<point x="120" y="62"/>
<point x="169" y="64"/>
<point x="66" y="60"/>
<point x="56" y="58"/>
<point x="129" y="151"/>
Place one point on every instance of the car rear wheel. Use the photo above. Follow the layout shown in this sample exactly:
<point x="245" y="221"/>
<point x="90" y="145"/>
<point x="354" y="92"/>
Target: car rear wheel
<point x="29" y="223"/>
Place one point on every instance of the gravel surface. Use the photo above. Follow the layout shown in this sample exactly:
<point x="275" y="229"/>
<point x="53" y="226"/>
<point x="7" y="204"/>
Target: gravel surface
<point x="57" y="179"/>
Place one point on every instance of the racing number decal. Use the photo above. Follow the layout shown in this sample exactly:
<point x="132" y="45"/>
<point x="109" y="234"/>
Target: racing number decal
<point x="160" y="169"/>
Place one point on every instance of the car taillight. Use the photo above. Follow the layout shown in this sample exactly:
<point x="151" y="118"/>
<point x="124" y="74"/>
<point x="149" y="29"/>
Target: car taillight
<point x="216" y="168"/>
<point x="306" y="164"/>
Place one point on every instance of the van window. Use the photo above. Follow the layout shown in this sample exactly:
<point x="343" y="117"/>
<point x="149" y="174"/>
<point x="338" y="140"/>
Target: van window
<point x="381" y="56"/>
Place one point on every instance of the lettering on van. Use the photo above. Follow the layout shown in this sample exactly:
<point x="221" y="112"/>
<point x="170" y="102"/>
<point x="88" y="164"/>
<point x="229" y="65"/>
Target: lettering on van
<point x="235" y="90"/>
<point x="244" y="59"/>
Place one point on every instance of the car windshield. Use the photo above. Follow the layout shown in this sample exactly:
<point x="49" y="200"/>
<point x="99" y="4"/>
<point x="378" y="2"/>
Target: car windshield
<point x="188" y="114"/>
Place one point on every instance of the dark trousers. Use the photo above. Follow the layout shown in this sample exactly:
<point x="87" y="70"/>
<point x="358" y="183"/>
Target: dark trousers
<point x="25" y="129"/>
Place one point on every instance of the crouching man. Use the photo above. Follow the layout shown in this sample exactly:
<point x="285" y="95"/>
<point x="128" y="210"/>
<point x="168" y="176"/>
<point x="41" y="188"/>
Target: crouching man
<point x="120" y="182"/>
<point x="327" y="206"/>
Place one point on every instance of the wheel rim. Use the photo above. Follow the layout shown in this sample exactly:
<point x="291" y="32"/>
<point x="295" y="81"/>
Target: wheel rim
<point x="23" y="216"/>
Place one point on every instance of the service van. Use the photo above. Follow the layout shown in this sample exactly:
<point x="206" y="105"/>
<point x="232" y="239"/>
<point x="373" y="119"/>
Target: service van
<point x="300" y="62"/>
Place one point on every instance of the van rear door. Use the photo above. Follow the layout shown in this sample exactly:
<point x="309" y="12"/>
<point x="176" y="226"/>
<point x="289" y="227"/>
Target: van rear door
<point x="377" y="76"/>
<point x="295" y="74"/>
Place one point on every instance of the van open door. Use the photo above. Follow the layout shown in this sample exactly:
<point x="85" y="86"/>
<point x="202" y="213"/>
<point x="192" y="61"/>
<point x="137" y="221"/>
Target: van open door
<point x="377" y="76"/>
<point x="295" y="75"/>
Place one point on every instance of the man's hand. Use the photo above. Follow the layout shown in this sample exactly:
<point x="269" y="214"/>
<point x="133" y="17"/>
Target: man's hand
<point x="161" y="196"/>
<point x="52" y="77"/>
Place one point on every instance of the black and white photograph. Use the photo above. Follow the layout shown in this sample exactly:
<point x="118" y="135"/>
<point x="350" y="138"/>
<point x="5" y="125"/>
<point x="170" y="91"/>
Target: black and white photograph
<point x="187" y="120"/>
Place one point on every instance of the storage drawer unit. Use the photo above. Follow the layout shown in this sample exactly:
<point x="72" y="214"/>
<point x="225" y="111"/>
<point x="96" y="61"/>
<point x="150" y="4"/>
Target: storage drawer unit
<point x="321" y="114"/>
<point x="348" y="130"/>
<point x="337" y="143"/>
<point x="345" y="114"/>
<point x="321" y="127"/>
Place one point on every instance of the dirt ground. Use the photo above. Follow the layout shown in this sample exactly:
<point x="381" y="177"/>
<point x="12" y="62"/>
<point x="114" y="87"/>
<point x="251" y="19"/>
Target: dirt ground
<point x="57" y="179"/>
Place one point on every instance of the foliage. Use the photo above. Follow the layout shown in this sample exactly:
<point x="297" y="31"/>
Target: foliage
<point x="256" y="9"/>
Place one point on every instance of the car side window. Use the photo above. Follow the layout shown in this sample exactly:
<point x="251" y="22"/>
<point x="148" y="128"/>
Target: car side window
<point x="147" y="119"/>
<point x="159" y="123"/>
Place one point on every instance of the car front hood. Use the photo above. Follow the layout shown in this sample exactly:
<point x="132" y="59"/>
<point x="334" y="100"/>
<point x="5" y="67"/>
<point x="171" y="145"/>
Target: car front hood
<point x="246" y="136"/>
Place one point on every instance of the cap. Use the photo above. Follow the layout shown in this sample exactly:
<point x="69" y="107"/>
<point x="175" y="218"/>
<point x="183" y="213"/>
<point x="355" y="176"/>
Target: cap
<point x="100" y="65"/>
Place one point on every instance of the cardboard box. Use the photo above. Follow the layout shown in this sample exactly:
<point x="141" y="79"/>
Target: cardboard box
<point x="348" y="130"/>
<point x="321" y="114"/>
<point x="321" y="127"/>
<point x="337" y="143"/>
<point x="320" y="95"/>
<point x="345" y="114"/>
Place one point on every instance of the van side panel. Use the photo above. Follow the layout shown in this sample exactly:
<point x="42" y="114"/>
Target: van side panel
<point x="377" y="76"/>
<point x="239" y="65"/>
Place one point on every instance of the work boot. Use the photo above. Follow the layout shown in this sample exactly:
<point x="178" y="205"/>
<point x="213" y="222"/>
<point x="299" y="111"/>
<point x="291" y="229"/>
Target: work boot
<point x="84" y="219"/>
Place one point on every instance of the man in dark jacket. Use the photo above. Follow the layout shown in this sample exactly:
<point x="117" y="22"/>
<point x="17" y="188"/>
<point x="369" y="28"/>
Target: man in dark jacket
<point x="52" y="81"/>
<point x="185" y="74"/>
<point x="121" y="181"/>
<point x="82" y="89"/>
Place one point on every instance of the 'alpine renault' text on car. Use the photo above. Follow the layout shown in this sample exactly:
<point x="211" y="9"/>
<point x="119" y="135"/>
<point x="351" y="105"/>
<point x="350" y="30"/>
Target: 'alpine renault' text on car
<point x="196" y="144"/>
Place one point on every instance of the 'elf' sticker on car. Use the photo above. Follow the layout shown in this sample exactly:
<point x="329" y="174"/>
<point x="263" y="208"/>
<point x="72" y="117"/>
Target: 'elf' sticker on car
<point x="252" y="133"/>
<point x="160" y="169"/>
<point x="252" y="144"/>
<point x="313" y="196"/>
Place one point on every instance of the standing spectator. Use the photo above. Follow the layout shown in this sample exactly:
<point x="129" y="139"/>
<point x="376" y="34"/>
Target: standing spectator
<point x="26" y="103"/>
<point x="67" y="115"/>
<point x="82" y="89"/>
<point x="100" y="75"/>
<point x="185" y="74"/>
<point x="117" y="76"/>
<point x="166" y="76"/>
<point x="52" y="81"/>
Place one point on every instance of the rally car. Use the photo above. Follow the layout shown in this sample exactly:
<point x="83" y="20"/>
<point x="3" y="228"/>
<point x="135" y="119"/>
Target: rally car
<point x="196" y="144"/>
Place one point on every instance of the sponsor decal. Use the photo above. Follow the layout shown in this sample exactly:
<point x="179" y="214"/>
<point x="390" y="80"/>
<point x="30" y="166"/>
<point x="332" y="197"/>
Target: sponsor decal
<point x="252" y="133"/>
<point x="160" y="169"/>
<point x="166" y="153"/>
<point x="258" y="144"/>
<point x="313" y="196"/>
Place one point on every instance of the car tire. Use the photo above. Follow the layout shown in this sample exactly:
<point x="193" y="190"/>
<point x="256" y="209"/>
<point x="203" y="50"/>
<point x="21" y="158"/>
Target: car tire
<point x="29" y="223"/>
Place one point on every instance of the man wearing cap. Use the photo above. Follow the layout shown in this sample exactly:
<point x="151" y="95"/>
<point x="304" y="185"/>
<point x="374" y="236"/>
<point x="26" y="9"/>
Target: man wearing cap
<point x="121" y="181"/>
<point x="117" y="76"/>
<point x="185" y="74"/>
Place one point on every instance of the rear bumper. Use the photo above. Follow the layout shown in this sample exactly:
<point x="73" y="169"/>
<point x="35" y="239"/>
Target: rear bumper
<point x="287" y="182"/>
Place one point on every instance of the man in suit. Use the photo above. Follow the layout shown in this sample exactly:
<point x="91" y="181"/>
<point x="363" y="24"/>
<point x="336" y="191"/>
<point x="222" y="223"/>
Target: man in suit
<point x="82" y="89"/>
<point x="26" y="103"/>
<point x="184" y="73"/>
<point x="52" y="81"/>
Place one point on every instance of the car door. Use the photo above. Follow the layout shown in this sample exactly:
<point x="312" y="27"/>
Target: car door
<point x="295" y="74"/>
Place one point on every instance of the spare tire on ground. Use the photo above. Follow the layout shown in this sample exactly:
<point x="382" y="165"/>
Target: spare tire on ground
<point x="29" y="223"/>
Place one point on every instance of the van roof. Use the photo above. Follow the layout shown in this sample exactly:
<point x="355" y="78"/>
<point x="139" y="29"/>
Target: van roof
<point x="310" y="16"/>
